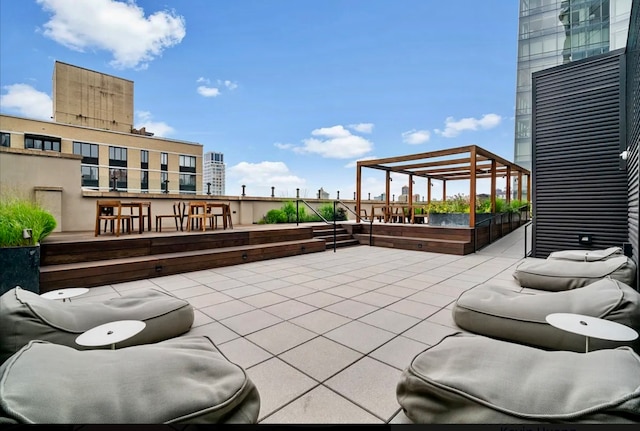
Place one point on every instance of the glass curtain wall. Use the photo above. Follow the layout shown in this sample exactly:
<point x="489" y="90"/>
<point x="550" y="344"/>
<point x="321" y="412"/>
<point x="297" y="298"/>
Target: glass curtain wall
<point x="553" y="32"/>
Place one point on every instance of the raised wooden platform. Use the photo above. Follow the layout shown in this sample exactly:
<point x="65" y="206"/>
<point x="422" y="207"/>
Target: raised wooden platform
<point x="88" y="262"/>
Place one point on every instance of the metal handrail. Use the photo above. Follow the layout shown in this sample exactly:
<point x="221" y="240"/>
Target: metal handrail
<point x="526" y="253"/>
<point x="322" y="218"/>
<point x="365" y="218"/>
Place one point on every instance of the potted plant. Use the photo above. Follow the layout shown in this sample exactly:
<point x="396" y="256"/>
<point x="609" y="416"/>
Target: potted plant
<point x="23" y="225"/>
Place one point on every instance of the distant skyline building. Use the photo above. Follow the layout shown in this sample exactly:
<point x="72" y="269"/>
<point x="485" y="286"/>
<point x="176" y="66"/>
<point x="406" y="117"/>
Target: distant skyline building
<point x="213" y="172"/>
<point x="554" y="32"/>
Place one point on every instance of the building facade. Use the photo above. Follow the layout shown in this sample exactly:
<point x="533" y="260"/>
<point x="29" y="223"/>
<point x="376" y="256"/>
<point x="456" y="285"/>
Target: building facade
<point x="555" y="32"/>
<point x="92" y="118"/>
<point x="213" y="173"/>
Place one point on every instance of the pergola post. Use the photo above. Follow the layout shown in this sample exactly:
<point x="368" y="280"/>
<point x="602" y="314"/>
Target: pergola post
<point x="472" y="187"/>
<point x="508" y="191"/>
<point x="493" y="186"/>
<point x="358" y="189"/>
<point x="387" y="193"/>
<point x="519" y="185"/>
<point x="528" y="187"/>
<point x="410" y="199"/>
<point x="444" y="190"/>
<point x="429" y="185"/>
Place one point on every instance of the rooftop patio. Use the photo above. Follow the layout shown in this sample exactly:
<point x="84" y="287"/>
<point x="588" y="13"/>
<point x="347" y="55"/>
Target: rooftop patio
<point x="325" y="336"/>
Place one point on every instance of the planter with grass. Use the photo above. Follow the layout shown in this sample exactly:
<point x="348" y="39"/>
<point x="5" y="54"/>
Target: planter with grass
<point x="23" y="225"/>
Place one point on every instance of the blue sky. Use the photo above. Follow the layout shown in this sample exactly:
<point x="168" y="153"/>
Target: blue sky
<point x="292" y="92"/>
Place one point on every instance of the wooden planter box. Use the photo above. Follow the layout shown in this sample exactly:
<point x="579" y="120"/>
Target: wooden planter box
<point x="455" y="219"/>
<point x="20" y="267"/>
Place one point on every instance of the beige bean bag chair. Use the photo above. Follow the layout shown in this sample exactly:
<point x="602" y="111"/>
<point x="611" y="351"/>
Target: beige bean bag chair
<point x="586" y="255"/>
<point x="182" y="380"/>
<point x="556" y="275"/>
<point x="26" y="316"/>
<point x="479" y="380"/>
<point x="520" y="317"/>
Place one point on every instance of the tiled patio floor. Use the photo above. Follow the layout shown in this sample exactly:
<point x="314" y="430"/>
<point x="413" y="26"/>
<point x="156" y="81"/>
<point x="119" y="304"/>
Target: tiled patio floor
<point x="325" y="336"/>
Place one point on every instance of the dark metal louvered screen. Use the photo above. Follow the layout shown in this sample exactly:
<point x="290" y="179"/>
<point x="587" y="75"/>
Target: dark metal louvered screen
<point x="633" y="127"/>
<point x="579" y="183"/>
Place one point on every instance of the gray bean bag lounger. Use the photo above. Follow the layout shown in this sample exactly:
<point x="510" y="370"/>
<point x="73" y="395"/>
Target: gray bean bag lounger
<point x="182" y="380"/>
<point x="474" y="379"/>
<point x="520" y="317"/>
<point x="556" y="275"/>
<point x="586" y="255"/>
<point x="25" y="316"/>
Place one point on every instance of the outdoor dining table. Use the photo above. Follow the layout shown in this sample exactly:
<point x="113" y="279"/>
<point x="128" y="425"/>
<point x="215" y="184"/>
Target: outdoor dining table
<point x="140" y="207"/>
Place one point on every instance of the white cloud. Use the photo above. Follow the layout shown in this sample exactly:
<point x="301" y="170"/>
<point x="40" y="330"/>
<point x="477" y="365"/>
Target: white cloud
<point x="120" y="28"/>
<point x="203" y="79"/>
<point x="454" y="128"/>
<point x="283" y="146"/>
<point x="416" y="137"/>
<point x="362" y="127"/>
<point x="354" y="163"/>
<point x="229" y="84"/>
<point x="26" y="101"/>
<point x="265" y="174"/>
<point x="335" y="142"/>
<point x="208" y="91"/>
<point x="158" y="128"/>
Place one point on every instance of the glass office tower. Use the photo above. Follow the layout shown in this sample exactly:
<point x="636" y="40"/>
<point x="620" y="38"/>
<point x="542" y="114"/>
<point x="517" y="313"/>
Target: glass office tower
<point x="213" y="173"/>
<point x="553" y="32"/>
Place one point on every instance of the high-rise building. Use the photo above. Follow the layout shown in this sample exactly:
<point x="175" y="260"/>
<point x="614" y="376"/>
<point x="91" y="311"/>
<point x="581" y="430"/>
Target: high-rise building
<point x="553" y="32"/>
<point x="213" y="173"/>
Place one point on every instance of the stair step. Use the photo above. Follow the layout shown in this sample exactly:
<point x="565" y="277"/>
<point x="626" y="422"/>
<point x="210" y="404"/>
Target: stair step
<point x="343" y="243"/>
<point x="97" y="273"/>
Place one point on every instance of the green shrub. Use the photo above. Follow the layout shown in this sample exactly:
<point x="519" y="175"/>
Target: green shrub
<point x="17" y="215"/>
<point x="275" y="216"/>
<point x="289" y="209"/>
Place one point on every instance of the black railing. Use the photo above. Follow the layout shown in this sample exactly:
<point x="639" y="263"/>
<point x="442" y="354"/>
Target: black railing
<point x="354" y="213"/>
<point x="335" y="235"/>
<point x="527" y="252"/>
<point x="522" y="209"/>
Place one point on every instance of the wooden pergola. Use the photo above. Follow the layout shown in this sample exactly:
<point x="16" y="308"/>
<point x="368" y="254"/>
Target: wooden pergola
<point x="462" y="163"/>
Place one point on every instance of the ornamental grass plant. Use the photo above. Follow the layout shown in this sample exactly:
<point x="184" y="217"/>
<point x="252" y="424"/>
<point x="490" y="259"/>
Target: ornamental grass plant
<point x="16" y="215"/>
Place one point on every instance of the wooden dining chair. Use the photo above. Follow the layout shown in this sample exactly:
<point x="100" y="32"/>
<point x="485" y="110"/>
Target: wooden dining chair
<point x="114" y="215"/>
<point x="197" y="215"/>
<point x="177" y="216"/>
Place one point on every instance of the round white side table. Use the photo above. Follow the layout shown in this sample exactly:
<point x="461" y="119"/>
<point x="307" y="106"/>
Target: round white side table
<point x="110" y="333"/>
<point x="591" y="327"/>
<point x="65" y="294"/>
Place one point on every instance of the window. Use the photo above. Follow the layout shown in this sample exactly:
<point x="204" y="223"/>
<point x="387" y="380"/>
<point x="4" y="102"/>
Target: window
<point x="144" y="181"/>
<point x="144" y="159"/>
<point x="5" y="139"/>
<point x="164" y="161"/>
<point x="118" y="154"/>
<point x="89" y="176"/>
<point x="120" y="176"/>
<point x="164" y="177"/>
<point x="44" y="143"/>
<point x="187" y="183"/>
<point x="187" y="164"/>
<point x="89" y="152"/>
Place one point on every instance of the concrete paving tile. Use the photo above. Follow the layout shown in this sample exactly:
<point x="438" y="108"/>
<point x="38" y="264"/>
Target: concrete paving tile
<point x="289" y="309"/>
<point x="174" y="282"/>
<point x="137" y="284"/>
<point x="264" y="299"/>
<point x="226" y="284"/>
<point x="215" y="331"/>
<point x="375" y="298"/>
<point x="320" y="358"/>
<point x="208" y="299"/>
<point x="251" y="321"/>
<point x="429" y="333"/>
<point x="243" y="291"/>
<point x="319" y="299"/>
<point x="345" y="291"/>
<point x="227" y="309"/>
<point x="321" y="406"/>
<point x="281" y="337"/>
<point x="398" y="352"/>
<point x="190" y="292"/>
<point x="320" y="321"/>
<point x="400" y="419"/>
<point x="243" y="352"/>
<point x="430" y="298"/>
<point x="319" y="284"/>
<point x="360" y="336"/>
<point x="294" y="291"/>
<point x="413" y="308"/>
<point x="443" y="317"/>
<point x="278" y="383"/>
<point x="199" y="318"/>
<point x="395" y="290"/>
<point x="389" y="320"/>
<point x="370" y="384"/>
<point x="350" y="308"/>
